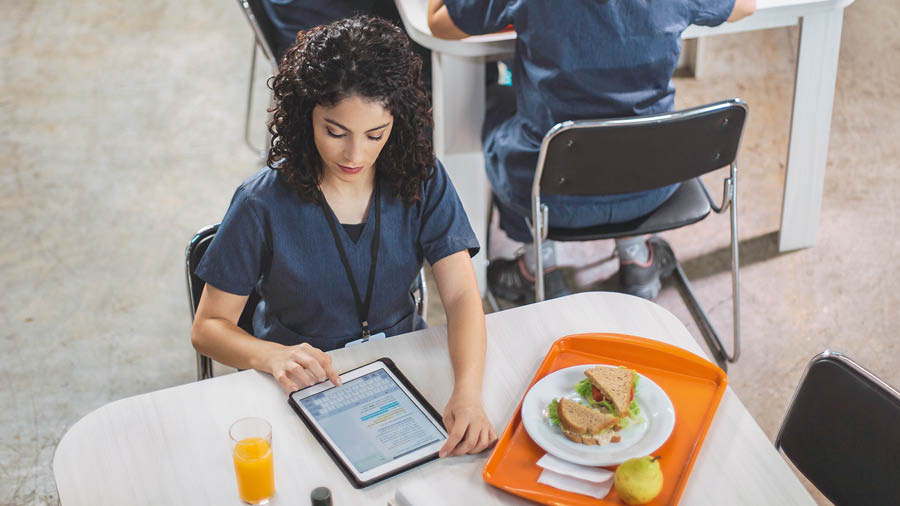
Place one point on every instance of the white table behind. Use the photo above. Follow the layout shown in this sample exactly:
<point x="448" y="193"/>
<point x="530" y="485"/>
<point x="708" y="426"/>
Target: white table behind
<point x="172" y="446"/>
<point x="459" y="105"/>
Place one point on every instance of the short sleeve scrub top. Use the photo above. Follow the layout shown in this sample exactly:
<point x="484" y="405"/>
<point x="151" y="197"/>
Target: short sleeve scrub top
<point x="272" y="241"/>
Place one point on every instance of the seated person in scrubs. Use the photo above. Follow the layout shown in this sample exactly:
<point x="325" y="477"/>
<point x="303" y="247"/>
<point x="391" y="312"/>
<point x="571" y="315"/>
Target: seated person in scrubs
<point x="293" y="16"/>
<point x="579" y="59"/>
<point x="333" y="232"/>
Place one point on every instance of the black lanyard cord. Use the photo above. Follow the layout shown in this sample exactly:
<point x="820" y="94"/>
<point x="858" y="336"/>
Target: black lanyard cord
<point x="362" y="307"/>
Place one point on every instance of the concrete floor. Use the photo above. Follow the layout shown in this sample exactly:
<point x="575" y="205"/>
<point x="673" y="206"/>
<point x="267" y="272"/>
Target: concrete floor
<point x="121" y="135"/>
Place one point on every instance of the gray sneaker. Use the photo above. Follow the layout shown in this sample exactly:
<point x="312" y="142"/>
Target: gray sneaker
<point x="643" y="279"/>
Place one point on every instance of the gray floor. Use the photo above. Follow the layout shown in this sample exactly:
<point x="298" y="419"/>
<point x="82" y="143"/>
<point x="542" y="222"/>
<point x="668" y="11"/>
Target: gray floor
<point x="121" y="135"/>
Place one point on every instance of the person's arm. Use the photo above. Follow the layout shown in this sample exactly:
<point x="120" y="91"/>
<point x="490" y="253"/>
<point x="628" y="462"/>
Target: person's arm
<point x="440" y="23"/>
<point x="742" y="9"/>
<point x="216" y="334"/>
<point x="469" y="428"/>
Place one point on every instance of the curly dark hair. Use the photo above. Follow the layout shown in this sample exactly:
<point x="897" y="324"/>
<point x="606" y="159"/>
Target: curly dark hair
<point x="364" y="56"/>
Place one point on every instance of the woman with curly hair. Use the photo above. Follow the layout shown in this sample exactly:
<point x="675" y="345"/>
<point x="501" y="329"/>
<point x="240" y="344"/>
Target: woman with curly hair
<point x="333" y="232"/>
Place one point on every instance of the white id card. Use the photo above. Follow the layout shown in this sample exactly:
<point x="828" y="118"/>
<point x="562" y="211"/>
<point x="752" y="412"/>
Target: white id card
<point x="374" y="337"/>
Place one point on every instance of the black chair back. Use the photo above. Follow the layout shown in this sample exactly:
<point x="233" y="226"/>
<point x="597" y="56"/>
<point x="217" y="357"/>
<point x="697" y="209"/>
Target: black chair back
<point x="195" y="251"/>
<point x="623" y="155"/>
<point x="842" y="431"/>
<point x="263" y="28"/>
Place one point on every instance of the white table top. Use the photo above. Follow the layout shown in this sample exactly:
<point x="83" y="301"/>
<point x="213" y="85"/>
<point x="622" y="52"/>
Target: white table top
<point x="172" y="446"/>
<point x="769" y="14"/>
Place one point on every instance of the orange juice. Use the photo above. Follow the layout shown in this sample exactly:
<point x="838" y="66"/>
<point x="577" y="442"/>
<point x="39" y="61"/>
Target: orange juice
<point x="254" y="470"/>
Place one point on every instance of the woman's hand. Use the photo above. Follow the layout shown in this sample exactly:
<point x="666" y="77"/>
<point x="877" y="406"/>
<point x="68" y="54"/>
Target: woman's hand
<point x="296" y="367"/>
<point x="469" y="428"/>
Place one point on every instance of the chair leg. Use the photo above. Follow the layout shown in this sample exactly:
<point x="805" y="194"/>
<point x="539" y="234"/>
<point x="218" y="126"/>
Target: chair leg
<point x="539" y="269"/>
<point x="265" y="149"/>
<point x="735" y="273"/>
<point x="422" y="299"/>
<point x="538" y="233"/>
<point x="492" y="300"/>
<point x="706" y="328"/>
<point x="250" y="101"/>
<point x="204" y="367"/>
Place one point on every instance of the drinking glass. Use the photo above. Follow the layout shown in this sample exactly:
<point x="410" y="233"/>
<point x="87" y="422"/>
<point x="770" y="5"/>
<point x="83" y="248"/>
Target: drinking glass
<point x="252" y="452"/>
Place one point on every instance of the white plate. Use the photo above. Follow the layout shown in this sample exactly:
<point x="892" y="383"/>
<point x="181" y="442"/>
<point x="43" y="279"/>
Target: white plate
<point x="638" y="440"/>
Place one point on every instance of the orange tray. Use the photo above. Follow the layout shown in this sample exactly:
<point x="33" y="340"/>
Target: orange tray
<point x="694" y="385"/>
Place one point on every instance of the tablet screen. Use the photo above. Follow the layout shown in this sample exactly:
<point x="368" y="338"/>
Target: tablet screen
<point x="371" y="420"/>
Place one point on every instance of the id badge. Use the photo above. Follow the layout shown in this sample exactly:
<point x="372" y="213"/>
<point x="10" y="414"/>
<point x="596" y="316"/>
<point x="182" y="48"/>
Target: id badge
<point x="374" y="337"/>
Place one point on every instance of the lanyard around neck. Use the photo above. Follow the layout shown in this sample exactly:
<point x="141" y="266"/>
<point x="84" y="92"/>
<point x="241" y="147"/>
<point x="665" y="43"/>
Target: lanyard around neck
<point x="362" y="306"/>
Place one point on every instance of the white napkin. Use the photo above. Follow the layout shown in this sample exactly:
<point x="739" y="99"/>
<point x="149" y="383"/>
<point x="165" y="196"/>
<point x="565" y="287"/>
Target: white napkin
<point x="586" y="480"/>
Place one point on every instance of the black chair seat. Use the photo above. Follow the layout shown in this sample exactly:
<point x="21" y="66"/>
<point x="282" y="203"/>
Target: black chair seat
<point x="687" y="205"/>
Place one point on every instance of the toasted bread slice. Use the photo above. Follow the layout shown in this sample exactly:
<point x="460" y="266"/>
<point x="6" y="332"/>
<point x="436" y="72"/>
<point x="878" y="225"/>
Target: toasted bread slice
<point x="616" y="384"/>
<point x="585" y="425"/>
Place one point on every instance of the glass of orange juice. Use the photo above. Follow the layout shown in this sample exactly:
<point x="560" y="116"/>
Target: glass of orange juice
<point x="252" y="452"/>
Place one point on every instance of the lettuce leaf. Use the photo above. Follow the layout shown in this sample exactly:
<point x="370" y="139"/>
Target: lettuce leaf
<point x="552" y="413"/>
<point x="605" y="404"/>
<point x="634" y="415"/>
<point x="584" y="388"/>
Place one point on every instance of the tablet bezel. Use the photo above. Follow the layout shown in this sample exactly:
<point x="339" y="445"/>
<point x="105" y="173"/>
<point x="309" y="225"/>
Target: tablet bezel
<point x="388" y="469"/>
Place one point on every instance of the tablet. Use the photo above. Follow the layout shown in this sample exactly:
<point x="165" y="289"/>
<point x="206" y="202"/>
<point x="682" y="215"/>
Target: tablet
<point x="375" y="425"/>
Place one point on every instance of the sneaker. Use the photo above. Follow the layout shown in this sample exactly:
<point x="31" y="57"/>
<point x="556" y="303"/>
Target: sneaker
<point x="643" y="279"/>
<point x="510" y="280"/>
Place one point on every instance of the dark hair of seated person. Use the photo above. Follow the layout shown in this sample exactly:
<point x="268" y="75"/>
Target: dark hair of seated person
<point x="364" y="56"/>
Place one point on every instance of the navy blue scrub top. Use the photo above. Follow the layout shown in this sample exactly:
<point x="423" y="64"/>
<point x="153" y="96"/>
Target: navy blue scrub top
<point x="271" y="240"/>
<point x="579" y="59"/>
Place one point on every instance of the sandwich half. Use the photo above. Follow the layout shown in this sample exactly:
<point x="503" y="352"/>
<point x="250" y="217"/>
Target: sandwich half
<point x="586" y="425"/>
<point x="614" y="385"/>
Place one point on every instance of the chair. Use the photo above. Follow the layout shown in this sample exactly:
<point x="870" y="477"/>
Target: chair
<point x="622" y="155"/>
<point x="841" y="432"/>
<point x="193" y="254"/>
<point x="196" y="248"/>
<point x="265" y="37"/>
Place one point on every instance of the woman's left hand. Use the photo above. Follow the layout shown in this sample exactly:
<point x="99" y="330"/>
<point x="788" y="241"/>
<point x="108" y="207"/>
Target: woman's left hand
<point x="468" y="427"/>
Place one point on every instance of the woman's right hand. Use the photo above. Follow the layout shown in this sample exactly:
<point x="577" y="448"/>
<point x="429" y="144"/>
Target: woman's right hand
<point x="302" y="365"/>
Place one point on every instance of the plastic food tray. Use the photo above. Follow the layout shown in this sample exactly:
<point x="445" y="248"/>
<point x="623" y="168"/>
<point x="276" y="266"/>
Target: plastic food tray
<point x="694" y="385"/>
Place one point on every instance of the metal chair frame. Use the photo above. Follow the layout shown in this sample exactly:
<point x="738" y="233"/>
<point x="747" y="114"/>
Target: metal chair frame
<point x="204" y="363"/>
<point x="252" y="9"/>
<point x="871" y="381"/>
<point x="539" y="222"/>
<point x="205" y="234"/>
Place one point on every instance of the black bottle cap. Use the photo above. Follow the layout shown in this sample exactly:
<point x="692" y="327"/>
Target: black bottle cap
<point x="320" y="496"/>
